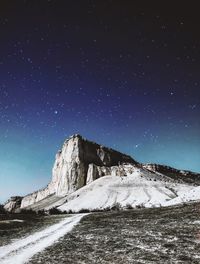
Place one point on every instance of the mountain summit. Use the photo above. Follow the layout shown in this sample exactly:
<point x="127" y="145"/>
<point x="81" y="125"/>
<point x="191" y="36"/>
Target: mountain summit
<point x="79" y="165"/>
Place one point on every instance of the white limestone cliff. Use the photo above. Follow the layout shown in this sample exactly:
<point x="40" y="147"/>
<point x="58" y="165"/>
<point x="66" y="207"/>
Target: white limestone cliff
<point x="78" y="163"/>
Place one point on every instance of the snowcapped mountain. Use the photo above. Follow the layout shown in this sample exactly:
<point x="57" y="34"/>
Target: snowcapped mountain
<point x="90" y="176"/>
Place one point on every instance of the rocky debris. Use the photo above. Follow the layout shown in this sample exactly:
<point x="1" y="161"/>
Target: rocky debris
<point x="13" y="204"/>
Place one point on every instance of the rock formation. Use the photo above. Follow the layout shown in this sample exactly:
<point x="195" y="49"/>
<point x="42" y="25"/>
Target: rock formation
<point x="80" y="162"/>
<point x="13" y="204"/>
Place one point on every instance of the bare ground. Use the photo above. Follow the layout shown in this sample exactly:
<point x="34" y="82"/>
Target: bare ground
<point x="168" y="235"/>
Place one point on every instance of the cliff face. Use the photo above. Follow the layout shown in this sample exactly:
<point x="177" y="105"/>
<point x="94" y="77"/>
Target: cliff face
<point x="81" y="161"/>
<point x="78" y="163"/>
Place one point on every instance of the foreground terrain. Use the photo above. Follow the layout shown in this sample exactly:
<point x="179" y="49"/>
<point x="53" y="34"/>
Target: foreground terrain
<point x="158" y="235"/>
<point x="21" y="250"/>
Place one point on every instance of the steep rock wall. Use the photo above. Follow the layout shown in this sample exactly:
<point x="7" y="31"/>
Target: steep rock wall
<point x="78" y="162"/>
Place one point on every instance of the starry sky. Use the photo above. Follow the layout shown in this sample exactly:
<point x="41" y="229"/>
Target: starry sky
<point x="121" y="73"/>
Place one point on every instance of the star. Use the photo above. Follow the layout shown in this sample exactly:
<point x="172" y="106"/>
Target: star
<point x="193" y="106"/>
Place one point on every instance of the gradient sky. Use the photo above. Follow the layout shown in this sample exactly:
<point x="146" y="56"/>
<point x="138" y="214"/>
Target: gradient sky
<point x="122" y="73"/>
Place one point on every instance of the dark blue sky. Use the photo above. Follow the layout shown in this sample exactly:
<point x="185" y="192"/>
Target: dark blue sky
<point x="122" y="73"/>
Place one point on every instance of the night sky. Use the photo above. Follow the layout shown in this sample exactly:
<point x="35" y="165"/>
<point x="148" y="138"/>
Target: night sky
<point x="122" y="73"/>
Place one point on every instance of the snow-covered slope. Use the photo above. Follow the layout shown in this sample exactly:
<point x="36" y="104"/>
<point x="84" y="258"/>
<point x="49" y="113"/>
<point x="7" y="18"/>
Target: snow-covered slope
<point x="141" y="188"/>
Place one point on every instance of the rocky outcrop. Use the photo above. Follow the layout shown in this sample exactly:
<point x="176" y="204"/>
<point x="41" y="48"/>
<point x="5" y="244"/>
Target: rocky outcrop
<point x="78" y="163"/>
<point x="81" y="161"/>
<point x="13" y="204"/>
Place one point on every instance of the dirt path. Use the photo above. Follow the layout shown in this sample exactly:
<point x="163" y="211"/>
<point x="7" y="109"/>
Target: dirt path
<point x="22" y="250"/>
